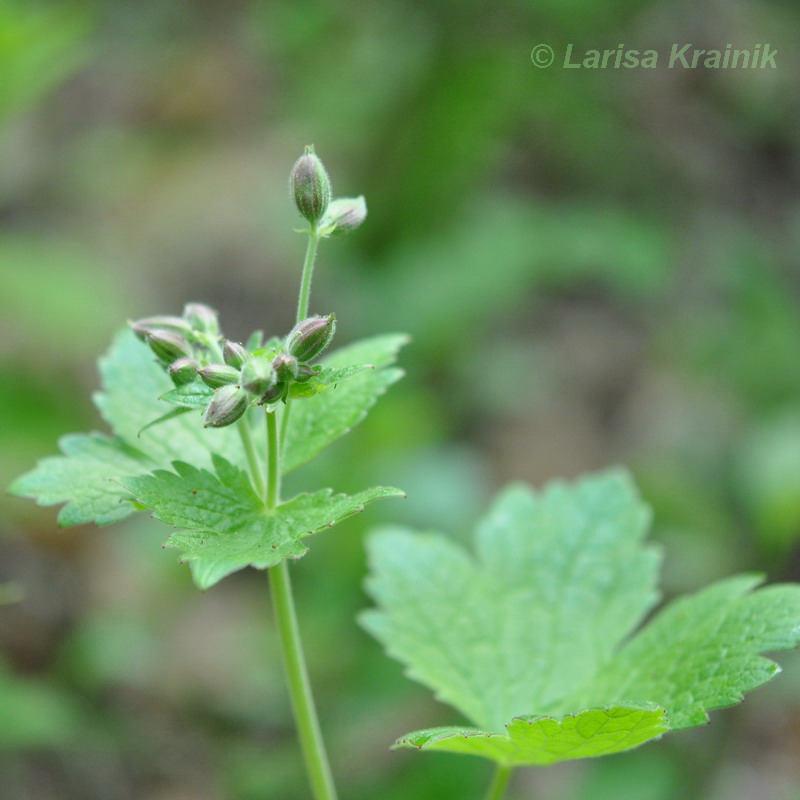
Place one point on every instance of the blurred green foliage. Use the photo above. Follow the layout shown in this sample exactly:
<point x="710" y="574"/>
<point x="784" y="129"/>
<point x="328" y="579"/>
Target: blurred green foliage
<point x="595" y="267"/>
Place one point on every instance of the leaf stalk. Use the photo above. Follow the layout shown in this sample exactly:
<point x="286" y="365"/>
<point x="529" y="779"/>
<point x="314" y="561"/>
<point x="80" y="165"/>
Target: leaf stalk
<point x="499" y="784"/>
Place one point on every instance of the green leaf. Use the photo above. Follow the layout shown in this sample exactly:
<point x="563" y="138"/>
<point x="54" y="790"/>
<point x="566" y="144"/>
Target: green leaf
<point x="83" y="478"/>
<point x="328" y="378"/>
<point x="548" y="740"/>
<point x="189" y="395"/>
<point x="558" y="580"/>
<point x="534" y="622"/>
<point x="702" y="652"/>
<point x="313" y="425"/>
<point x="224" y="526"/>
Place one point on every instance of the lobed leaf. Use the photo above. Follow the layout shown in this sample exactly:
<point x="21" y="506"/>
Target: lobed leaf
<point x="549" y="740"/>
<point x="83" y="478"/>
<point x="537" y="622"/>
<point x="558" y="580"/>
<point x="328" y="378"/>
<point x="702" y="652"/>
<point x="224" y="526"/>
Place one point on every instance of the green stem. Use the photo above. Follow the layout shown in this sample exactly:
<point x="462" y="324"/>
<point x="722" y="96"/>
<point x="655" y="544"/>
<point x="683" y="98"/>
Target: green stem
<point x="256" y="476"/>
<point x="308" y="273"/>
<point x="285" y="422"/>
<point x="302" y="305"/>
<point x="499" y="784"/>
<point x="305" y="713"/>
<point x="273" y="495"/>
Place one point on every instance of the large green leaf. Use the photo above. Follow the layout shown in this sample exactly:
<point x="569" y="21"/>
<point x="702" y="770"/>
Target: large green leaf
<point x="547" y="740"/>
<point x="559" y="579"/>
<point x="534" y="622"/>
<point x="319" y="420"/>
<point x="83" y="478"/>
<point x="224" y="526"/>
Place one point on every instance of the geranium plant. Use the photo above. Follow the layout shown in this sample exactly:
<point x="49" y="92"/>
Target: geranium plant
<point x="532" y="637"/>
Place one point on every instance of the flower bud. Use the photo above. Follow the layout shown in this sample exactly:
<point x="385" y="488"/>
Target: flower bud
<point x="285" y="366"/>
<point x="258" y="376"/>
<point x="274" y="394"/>
<point x="310" y="186"/>
<point x="168" y="345"/>
<point x="141" y="327"/>
<point x="310" y="337"/>
<point x="201" y="318"/>
<point x="345" y="214"/>
<point x="184" y="370"/>
<point x="216" y="375"/>
<point x="226" y="406"/>
<point x="234" y="354"/>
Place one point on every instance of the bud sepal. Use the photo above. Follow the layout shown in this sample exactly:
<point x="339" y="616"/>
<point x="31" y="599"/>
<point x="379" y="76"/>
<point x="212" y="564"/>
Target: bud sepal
<point x="234" y="354"/>
<point x="344" y="214"/>
<point x="183" y="371"/>
<point x="227" y="405"/>
<point x="216" y="375"/>
<point x="168" y="346"/>
<point x="141" y="327"/>
<point x="310" y="337"/>
<point x="201" y="318"/>
<point x="310" y="186"/>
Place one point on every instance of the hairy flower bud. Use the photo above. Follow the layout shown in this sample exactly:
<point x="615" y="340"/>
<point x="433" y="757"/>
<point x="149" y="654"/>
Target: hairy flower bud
<point x="184" y="370"/>
<point x="226" y="406"/>
<point x="345" y="214"/>
<point x="258" y="376"/>
<point x="168" y="345"/>
<point x="141" y="327"/>
<point x="216" y="375"/>
<point x="285" y="367"/>
<point x="310" y="186"/>
<point x="310" y="337"/>
<point x="274" y="394"/>
<point x="201" y="318"/>
<point x="234" y="354"/>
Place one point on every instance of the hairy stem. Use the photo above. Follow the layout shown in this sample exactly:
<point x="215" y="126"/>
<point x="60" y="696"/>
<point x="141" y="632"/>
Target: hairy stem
<point x="273" y="496"/>
<point x="254" y="465"/>
<point x="302" y="307"/>
<point x="499" y="784"/>
<point x="305" y="713"/>
<point x="308" y="273"/>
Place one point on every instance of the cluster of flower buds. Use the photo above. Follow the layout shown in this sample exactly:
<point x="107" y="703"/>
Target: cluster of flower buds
<point x="180" y="343"/>
<point x="263" y="377"/>
<point x="310" y="189"/>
